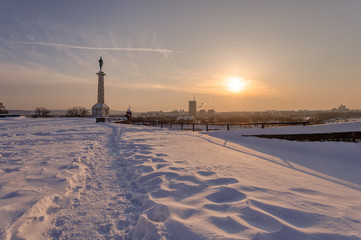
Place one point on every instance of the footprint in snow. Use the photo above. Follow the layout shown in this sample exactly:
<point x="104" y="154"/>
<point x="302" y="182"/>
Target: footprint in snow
<point x="222" y="181"/>
<point x="159" y="213"/>
<point x="226" y="194"/>
<point x="158" y="160"/>
<point x="206" y="173"/>
<point x="227" y="224"/>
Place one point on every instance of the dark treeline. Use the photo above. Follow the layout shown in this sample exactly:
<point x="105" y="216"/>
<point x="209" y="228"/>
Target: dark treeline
<point x="313" y="117"/>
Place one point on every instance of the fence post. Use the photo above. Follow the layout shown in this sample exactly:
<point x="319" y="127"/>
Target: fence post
<point x="193" y="127"/>
<point x="227" y="127"/>
<point x="207" y="127"/>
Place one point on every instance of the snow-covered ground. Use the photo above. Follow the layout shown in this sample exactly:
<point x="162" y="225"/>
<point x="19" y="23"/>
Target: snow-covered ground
<point x="74" y="179"/>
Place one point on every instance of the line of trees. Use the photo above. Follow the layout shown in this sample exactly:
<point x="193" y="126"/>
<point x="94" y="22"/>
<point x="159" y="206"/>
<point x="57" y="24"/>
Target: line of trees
<point x="77" y="112"/>
<point x="42" y="112"/>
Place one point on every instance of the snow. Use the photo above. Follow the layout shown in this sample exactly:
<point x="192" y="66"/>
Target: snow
<point x="75" y="179"/>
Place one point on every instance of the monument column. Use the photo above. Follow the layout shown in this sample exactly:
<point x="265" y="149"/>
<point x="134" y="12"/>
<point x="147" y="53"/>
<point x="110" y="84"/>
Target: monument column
<point x="101" y="75"/>
<point x="100" y="110"/>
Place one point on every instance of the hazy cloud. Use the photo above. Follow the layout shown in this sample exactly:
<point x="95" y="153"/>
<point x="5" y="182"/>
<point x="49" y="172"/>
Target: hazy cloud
<point x="158" y="50"/>
<point x="37" y="74"/>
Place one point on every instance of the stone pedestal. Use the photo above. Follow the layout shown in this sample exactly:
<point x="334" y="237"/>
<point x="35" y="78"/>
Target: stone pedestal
<point x="100" y="109"/>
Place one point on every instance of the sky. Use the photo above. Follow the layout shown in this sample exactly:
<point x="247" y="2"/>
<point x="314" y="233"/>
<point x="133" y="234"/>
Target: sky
<point x="158" y="55"/>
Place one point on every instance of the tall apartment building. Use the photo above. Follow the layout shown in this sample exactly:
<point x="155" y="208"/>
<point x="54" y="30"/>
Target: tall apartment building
<point x="192" y="108"/>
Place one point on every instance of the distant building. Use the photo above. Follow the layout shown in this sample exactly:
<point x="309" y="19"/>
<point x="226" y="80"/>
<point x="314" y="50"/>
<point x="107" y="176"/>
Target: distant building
<point x="341" y="108"/>
<point x="202" y="113"/>
<point x="185" y="118"/>
<point x="192" y="108"/>
<point x="174" y="113"/>
<point x="211" y="112"/>
<point x="155" y="114"/>
<point x="142" y="115"/>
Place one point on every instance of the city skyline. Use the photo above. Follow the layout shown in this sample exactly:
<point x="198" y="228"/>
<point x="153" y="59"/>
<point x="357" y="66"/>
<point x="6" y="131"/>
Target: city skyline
<point x="158" y="55"/>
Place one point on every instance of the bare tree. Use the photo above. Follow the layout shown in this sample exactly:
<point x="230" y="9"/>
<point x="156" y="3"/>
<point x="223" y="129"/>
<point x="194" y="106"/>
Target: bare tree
<point x="83" y="111"/>
<point x="3" y="109"/>
<point x="77" y="112"/>
<point x="42" y="112"/>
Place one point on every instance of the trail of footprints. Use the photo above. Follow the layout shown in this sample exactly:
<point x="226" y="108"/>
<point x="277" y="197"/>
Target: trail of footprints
<point x="172" y="188"/>
<point x="164" y="180"/>
<point x="95" y="203"/>
<point x="159" y="179"/>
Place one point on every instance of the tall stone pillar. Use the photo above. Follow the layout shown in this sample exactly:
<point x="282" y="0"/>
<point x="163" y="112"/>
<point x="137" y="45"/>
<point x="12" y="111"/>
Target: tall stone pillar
<point x="100" y="110"/>
<point x="101" y="75"/>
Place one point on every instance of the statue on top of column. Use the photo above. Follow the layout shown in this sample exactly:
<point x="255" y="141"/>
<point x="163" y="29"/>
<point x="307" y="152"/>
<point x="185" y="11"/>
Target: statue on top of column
<point x="100" y="63"/>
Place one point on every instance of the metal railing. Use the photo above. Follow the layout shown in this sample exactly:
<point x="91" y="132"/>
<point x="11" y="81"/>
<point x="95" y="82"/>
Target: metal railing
<point x="209" y="126"/>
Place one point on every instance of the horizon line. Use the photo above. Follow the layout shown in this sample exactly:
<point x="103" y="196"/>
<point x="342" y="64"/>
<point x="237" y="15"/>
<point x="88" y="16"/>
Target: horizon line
<point x="235" y="111"/>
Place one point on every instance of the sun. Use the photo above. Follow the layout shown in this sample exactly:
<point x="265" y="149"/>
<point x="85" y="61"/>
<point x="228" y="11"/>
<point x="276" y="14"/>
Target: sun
<point x="235" y="84"/>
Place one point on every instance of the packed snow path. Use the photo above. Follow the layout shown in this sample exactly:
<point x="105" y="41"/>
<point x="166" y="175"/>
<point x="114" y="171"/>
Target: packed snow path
<point x="102" y="208"/>
<point x="74" y="179"/>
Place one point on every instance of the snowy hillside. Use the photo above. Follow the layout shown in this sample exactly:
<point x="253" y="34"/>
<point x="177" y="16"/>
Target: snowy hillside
<point x="74" y="179"/>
